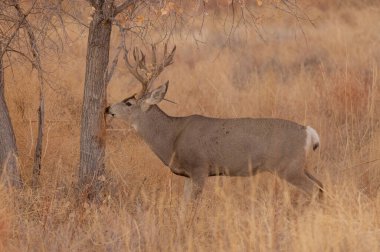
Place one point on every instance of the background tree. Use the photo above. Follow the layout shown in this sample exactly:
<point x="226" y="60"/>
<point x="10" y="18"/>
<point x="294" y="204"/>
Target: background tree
<point x="9" y="167"/>
<point x="92" y="141"/>
<point x="22" y="30"/>
<point x="105" y="14"/>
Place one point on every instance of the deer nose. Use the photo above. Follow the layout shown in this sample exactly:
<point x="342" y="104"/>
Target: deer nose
<point x="108" y="111"/>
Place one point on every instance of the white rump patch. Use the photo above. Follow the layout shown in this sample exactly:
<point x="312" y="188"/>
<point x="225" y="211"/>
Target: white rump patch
<point x="312" y="139"/>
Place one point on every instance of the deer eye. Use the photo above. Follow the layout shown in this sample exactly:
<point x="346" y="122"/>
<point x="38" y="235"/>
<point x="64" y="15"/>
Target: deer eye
<point x="128" y="103"/>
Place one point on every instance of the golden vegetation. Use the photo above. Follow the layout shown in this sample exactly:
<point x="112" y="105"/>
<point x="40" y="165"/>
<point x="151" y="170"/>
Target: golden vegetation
<point x="327" y="78"/>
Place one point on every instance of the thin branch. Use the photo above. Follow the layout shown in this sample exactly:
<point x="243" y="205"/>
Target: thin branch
<point x="74" y="18"/>
<point x="123" y="6"/>
<point x="92" y="3"/>
<point x="109" y="73"/>
<point x="21" y="54"/>
<point x="20" y="23"/>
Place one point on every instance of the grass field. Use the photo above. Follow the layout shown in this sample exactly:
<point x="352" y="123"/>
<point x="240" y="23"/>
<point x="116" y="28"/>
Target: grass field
<point x="324" y="75"/>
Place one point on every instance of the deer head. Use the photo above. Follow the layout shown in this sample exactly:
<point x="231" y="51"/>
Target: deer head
<point x="139" y="103"/>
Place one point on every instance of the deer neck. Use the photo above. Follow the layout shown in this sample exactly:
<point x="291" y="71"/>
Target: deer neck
<point x="158" y="130"/>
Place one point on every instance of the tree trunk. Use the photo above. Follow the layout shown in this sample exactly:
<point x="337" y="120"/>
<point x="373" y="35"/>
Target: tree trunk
<point x="9" y="168"/>
<point x="41" y="110"/>
<point x="92" y="141"/>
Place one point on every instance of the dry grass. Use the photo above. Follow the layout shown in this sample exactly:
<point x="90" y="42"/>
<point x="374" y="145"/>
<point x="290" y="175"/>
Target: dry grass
<point x="331" y="82"/>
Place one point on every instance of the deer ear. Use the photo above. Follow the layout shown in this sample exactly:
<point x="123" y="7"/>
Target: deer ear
<point x="156" y="95"/>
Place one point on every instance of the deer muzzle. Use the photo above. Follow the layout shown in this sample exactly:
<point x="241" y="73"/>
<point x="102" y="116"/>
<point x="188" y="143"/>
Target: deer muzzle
<point x="108" y="112"/>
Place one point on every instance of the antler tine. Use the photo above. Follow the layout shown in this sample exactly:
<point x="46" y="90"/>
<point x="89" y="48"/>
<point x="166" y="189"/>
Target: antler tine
<point x="169" y="59"/>
<point x="154" y="56"/>
<point x="149" y="73"/>
<point x="139" y="58"/>
<point x="158" y="68"/>
<point x="136" y="54"/>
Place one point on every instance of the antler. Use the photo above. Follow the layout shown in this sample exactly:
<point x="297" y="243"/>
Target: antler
<point x="147" y="74"/>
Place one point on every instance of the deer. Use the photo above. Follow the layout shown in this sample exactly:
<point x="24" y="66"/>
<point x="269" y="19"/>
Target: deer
<point x="197" y="147"/>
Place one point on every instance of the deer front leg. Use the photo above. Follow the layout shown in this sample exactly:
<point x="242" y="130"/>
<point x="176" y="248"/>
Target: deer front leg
<point x="193" y="188"/>
<point x="191" y="192"/>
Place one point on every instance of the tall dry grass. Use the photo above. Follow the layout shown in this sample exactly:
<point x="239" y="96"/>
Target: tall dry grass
<point x="329" y="81"/>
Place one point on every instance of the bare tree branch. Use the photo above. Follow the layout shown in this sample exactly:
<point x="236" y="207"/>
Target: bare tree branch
<point x="123" y="6"/>
<point x="76" y="19"/>
<point x="92" y="3"/>
<point x="19" y="24"/>
<point x="21" y="54"/>
<point x="110" y="72"/>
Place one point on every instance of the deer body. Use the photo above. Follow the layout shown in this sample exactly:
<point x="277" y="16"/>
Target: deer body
<point x="234" y="147"/>
<point x="197" y="147"/>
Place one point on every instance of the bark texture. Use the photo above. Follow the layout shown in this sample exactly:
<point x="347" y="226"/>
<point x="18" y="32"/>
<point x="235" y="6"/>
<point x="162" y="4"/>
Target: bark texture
<point x="9" y="167"/>
<point x="92" y="141"/>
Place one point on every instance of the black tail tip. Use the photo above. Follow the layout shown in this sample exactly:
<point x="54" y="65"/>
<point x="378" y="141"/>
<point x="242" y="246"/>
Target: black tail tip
<point x="315" y="146"/>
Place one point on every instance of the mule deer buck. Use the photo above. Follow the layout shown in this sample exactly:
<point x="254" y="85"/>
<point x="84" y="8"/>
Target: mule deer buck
<point x="197" y="146"/>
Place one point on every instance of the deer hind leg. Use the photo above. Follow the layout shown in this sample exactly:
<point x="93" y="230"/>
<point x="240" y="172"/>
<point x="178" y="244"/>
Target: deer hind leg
<point x="301" y="181"/>
<point x="316" y="181"/>
<point x="297" y="176"/>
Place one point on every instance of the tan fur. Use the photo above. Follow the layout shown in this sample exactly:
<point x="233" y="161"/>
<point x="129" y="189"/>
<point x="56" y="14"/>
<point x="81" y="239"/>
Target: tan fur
<point x="197" y="147"/>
